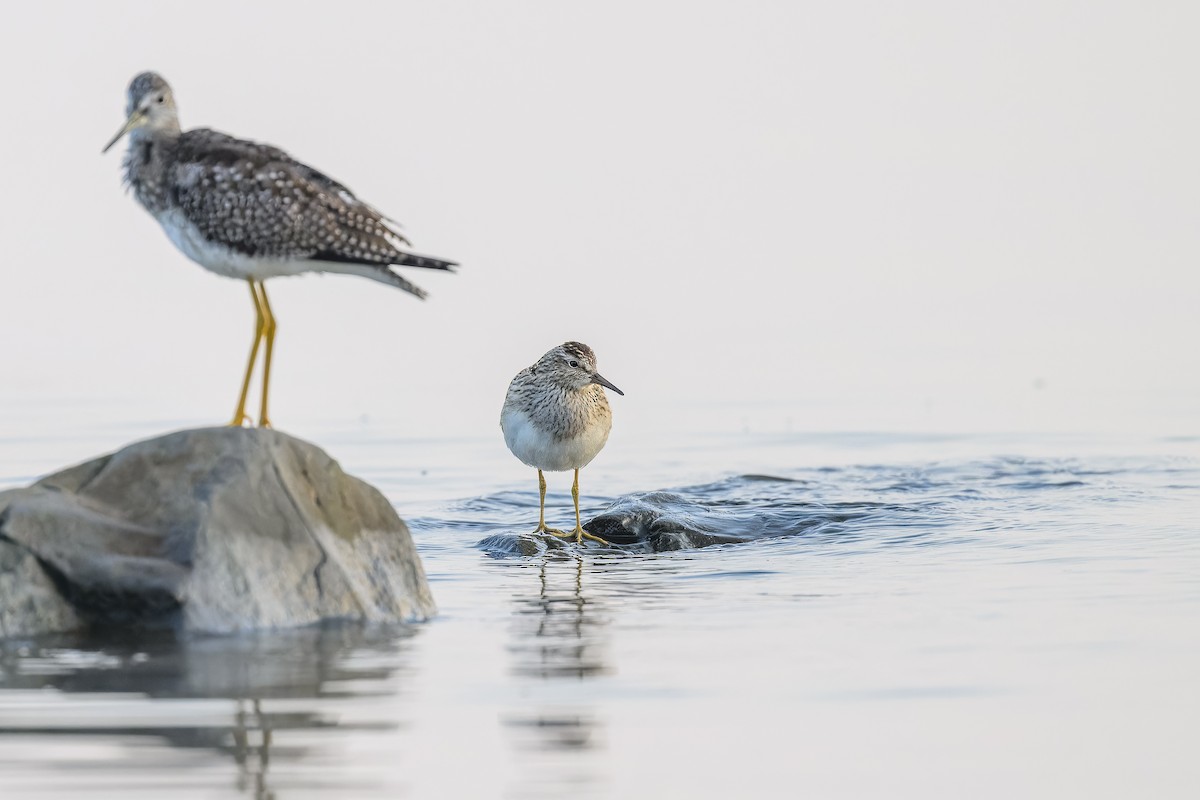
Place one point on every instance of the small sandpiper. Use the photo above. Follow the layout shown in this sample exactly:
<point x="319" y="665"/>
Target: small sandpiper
<point x="556" y="417"/>
<point x="248" y="210"/>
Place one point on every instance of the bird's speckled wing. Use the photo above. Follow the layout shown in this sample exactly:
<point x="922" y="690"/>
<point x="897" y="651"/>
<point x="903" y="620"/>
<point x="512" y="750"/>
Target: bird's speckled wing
<point x="259" y="201"/>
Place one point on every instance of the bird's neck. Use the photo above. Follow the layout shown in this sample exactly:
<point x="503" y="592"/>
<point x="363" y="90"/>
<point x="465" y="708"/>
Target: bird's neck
<point x="146" y="162"/>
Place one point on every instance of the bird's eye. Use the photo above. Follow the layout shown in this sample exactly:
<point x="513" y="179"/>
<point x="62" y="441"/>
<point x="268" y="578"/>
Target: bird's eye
<point x="161" y="98"/>
<point x="573" y="363"/>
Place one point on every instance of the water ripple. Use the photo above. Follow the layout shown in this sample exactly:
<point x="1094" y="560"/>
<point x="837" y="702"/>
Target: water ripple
<point x="884" y="505"/>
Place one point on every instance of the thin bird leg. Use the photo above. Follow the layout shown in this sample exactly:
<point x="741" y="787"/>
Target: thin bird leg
<point x="541" y="528"/>
<point x="264" y="421"/>
<point x="239" y="416"/>
<point x="580" y="533"/>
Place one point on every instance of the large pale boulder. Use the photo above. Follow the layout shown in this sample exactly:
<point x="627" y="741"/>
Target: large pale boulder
<point x="29" y="600"/>
<point x="214" y="530"/>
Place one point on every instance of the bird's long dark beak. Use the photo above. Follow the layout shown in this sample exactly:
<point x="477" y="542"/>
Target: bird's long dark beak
<point x="135" y="119"/>
<point x="600" y="379"/>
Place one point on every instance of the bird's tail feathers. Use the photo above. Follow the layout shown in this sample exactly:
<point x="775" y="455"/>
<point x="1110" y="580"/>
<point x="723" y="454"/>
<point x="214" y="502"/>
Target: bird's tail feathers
<point x="377" y="272"/>
<point x="427" y="262"/>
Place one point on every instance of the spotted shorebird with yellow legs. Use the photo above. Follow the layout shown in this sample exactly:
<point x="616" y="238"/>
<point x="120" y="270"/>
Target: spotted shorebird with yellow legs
<point x="556" y="417"/>
<point x="248" y="210"/>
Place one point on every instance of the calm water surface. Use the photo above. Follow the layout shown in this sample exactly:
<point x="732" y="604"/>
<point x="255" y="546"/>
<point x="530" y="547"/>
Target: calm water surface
<point x="946" y="616"/>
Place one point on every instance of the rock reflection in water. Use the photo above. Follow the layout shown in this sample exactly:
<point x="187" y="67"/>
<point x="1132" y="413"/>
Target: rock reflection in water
<point x="210" y="694"/>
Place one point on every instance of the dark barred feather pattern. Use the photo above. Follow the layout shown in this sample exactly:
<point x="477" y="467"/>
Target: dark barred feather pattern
<point x="257" y="200"/>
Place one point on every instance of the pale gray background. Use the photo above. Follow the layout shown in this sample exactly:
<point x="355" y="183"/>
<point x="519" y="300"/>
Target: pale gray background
<point x="897" y="216"/>
<point x="765" y="216"/>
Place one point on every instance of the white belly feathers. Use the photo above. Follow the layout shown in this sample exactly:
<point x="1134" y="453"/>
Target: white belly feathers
<point x="221" y="259"/>
<point x="537" y="448"/>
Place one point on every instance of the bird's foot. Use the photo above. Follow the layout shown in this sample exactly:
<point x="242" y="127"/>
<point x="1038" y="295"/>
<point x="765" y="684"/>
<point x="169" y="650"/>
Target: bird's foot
<point x="264" y="423"/>
<point x="543" y="528"/>
<point x="240" y="420"/>
<point x="580" y="534"/>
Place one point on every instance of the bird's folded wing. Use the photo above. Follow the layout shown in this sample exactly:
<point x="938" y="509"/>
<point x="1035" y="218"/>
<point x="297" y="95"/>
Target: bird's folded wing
<point x="259" y="201"/>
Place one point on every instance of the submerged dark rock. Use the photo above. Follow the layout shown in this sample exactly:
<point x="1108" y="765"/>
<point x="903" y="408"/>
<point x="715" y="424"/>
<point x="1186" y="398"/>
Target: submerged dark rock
<point x="649" y="522"/>
<point x="667" y="521"/>
<point x="211" y="530"/>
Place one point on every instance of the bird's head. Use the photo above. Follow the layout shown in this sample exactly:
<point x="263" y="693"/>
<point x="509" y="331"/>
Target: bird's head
<point x="150" y="107"/>
<point x="573" y="366"/>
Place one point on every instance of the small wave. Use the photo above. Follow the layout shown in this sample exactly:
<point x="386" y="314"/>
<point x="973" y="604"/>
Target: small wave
<point x="733" y="510"/>
<point x="857" y="506"/>
<point x="1035" y="485"/>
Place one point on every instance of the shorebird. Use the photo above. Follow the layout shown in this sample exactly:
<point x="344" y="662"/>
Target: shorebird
<point x="556" y="417"/>
<point x="248" y="210"/>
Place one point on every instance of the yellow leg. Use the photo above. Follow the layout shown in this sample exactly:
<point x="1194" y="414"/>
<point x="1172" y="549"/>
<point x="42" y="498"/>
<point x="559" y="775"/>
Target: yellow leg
<point x="239" y="416"/>
<point x="264" y="421"/>
<point x="541" y="528"/>
<point x="580" y="533"/>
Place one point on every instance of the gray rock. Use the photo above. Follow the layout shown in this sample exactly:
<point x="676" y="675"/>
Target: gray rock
<point x="29" y="601"/>
<point x="212" y="530"/>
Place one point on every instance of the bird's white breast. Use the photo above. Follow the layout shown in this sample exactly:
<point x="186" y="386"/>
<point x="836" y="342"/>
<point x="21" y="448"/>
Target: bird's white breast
<point x="216" y="257"/>
<point x="538" y="448"/>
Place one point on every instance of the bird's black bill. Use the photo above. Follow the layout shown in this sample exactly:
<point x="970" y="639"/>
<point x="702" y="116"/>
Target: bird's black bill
<point x="600" y="379"/>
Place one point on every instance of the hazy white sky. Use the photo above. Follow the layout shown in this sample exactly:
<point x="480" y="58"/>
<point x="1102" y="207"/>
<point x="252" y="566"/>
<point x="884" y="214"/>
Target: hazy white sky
<point x="807" y="215"/>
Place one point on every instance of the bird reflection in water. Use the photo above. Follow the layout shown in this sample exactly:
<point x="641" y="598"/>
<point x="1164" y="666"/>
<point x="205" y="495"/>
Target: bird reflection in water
<point x="252" y="759"/>
<point x="559" y="635"/>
